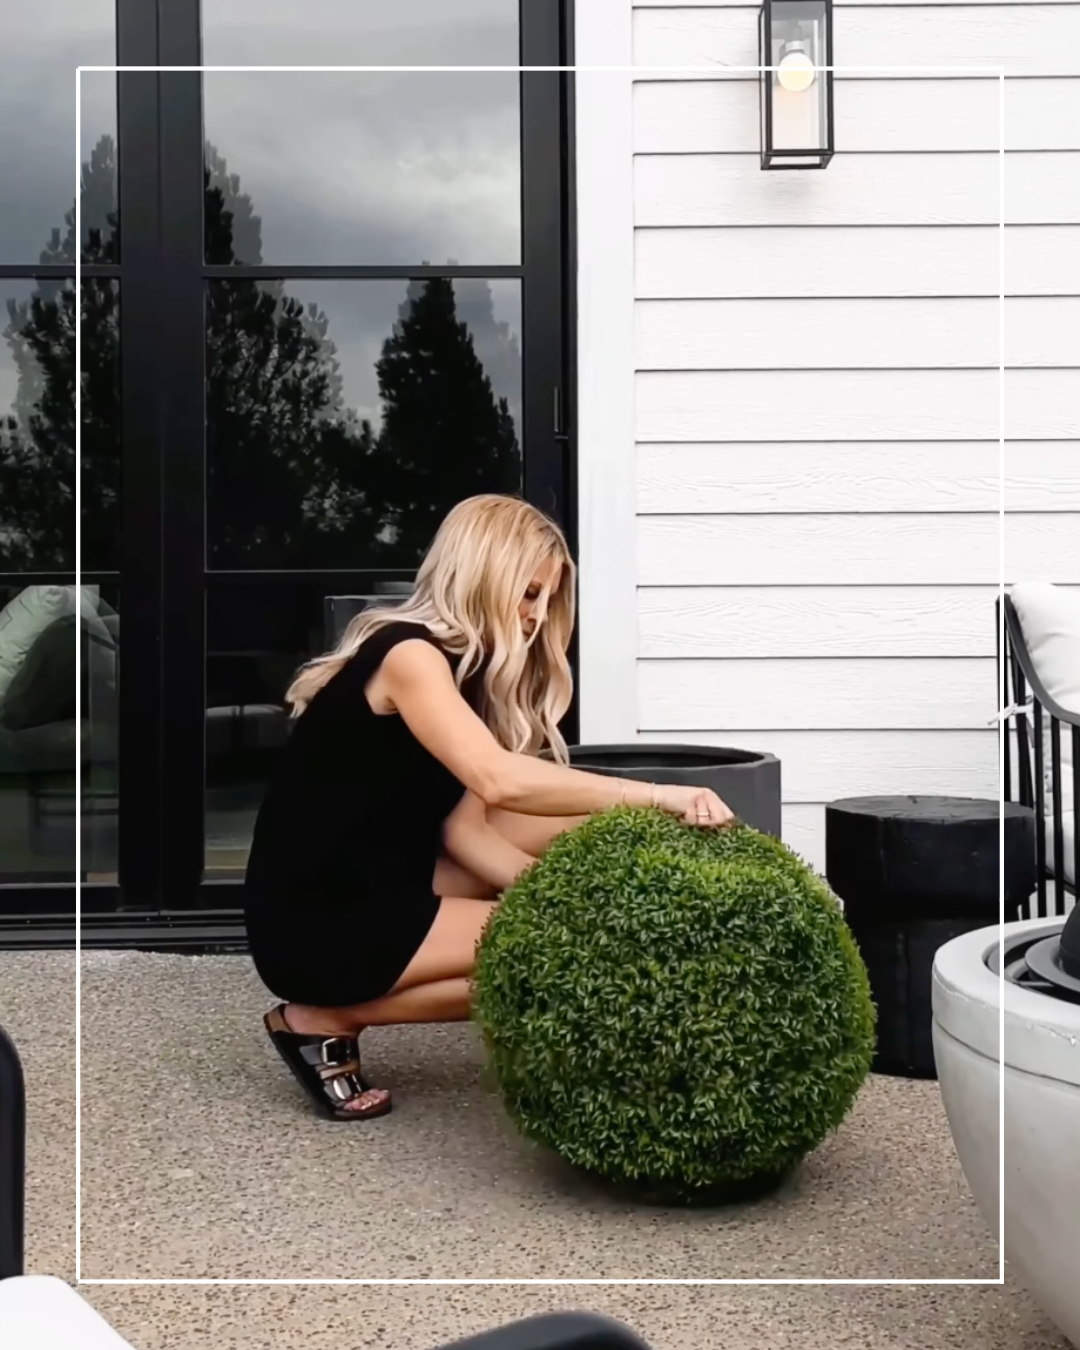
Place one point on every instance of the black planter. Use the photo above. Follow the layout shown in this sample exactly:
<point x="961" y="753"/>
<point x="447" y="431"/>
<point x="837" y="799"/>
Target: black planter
<point x="913" y="873"/>
<point x="747" y="781"/>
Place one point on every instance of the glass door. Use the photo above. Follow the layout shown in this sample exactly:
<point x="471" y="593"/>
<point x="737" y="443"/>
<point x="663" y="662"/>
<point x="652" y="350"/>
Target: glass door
<point x="349" y="312"/>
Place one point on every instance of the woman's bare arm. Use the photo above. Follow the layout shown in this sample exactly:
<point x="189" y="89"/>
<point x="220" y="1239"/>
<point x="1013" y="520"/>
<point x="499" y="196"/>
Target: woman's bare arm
<point x="419" y="683"/>
<point x="478" y="846"/>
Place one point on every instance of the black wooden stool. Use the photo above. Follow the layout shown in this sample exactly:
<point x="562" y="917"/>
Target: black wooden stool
<point x="913" y="873"/>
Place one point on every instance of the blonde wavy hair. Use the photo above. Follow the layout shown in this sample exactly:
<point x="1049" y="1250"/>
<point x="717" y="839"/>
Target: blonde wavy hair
<point x="468" y="589"/>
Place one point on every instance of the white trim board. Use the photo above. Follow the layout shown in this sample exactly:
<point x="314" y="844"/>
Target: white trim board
<point x="607" y="480"/>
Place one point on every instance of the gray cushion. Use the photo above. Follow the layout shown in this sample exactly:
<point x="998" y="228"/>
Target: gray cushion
<point x="43" y="689"/>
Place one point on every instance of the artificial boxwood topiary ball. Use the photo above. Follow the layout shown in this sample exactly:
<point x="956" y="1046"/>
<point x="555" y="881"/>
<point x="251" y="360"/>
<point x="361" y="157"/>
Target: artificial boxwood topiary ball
<point x="680" y="1011"/>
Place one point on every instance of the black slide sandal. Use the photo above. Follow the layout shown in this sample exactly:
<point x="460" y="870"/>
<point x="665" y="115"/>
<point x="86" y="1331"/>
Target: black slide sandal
<point x="326" y="1067"/>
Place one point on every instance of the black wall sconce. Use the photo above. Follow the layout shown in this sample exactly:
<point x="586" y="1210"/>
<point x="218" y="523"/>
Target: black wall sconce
<point x="795" y="39"/>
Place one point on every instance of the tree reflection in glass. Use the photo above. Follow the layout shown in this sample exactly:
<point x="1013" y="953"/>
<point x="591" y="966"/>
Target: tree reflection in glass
<point x="297" y="478"/>
<point x="37" y="434"/>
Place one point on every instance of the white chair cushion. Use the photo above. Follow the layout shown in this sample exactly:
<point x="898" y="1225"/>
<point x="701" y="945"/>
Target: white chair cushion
<point x="24" y="620"/>
<point x="1050" y="620"/>
<point x="41" y="1312"/>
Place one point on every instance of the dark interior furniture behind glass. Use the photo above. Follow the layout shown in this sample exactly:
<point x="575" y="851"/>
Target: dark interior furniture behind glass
<point x="38" y="744"/>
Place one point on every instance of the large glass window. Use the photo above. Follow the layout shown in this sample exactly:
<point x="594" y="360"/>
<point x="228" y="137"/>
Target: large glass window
<point x="43" y="615"/>
<point x="99" y="745"/>
<point x="41" y="47"/>
<point x="367" y="364"/>
<point x="392" y="169"/>
<point x="338" y="310"/>
<point x="37" y="428"/>
<point x="256" y="638"/>
<point x="345" y="414"/>
<point x="45" y="618"/>
<point x="345" y="418"/>
<point x="40" y="627"/>
<point x="380" y="167"/>
<point x="341" y="32"/>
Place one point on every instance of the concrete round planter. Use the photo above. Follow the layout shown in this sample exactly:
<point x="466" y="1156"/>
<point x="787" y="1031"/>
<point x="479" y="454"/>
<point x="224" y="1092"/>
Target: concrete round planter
<point x="1042" y="1103"/>
<point x="748" y="781"/>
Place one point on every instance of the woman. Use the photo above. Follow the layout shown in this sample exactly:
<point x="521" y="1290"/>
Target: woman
<point x="411" y="794"/>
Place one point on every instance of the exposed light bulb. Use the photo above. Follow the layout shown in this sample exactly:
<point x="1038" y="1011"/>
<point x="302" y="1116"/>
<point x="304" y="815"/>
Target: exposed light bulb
<point x="796" y="72"/>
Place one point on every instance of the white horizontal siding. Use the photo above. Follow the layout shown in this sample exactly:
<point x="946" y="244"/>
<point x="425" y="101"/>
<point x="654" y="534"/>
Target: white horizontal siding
<point x="787" y="262"/>
<point x="1041" y="40"/>
<point x="820" y="693"/>
<point x="946" y="189"/>
<point x="853" y="334"/>
<point x="770" y="622"/>
<point x="819" y="766"/>
<point x="604" y="415"/>
<point x="817" y="399"/>
<point x="722" y="116"/>
<point x="767" y="622"/>
<point x="865" y="550"/>
<point x="1043" y="477"/>
<point x="803" y="829"/>
<point x="857" y="476"/>
<point x="862" y="405"/>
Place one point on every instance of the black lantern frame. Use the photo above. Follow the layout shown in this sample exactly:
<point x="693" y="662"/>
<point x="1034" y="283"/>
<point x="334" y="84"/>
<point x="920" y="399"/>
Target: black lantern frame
<point x="809" y="23"/>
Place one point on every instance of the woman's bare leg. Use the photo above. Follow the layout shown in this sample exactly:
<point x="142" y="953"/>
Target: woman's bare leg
<point x="451" y="879"/>
<point x="439" y="1001"/>
<point x="433" y="987"/>
<point x="531" y="834"/>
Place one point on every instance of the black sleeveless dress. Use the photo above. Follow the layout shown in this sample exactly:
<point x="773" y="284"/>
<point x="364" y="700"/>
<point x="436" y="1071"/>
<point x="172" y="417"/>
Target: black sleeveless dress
<point x="338" y="891"/>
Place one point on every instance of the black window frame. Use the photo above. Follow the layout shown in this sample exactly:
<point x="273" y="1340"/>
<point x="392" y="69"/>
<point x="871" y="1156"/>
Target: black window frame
<point x="161" y="897"/>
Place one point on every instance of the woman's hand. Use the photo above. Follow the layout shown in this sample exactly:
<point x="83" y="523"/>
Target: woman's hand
<point x="695" y="806"/>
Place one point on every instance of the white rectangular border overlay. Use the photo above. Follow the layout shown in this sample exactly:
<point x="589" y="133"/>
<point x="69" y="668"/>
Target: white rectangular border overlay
<point x="607" y="475"/>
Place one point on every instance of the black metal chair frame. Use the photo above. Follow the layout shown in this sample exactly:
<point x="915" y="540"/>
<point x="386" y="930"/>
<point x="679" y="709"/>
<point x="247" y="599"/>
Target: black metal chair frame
<point x="1018" y="682"/>
<point x="12" y="1159"/>
<point x="555" y="1331"/>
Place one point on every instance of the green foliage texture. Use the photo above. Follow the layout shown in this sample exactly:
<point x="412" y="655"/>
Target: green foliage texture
<point x="679" y="1011"/>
